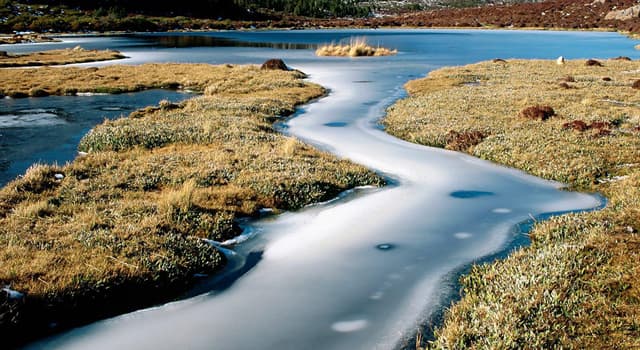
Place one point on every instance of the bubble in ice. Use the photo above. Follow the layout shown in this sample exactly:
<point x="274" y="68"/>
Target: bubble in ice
<point x="385" y="246"/>
<point x="462" y="235"/>
<point x="501" y="210"/>
<point x="349" y="326"/>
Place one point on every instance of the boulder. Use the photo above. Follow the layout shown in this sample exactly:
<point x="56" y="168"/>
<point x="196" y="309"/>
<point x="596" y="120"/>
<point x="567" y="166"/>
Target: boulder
<point x="274" y="64"/>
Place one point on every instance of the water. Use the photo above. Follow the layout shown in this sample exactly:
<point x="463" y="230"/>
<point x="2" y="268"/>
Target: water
<point x="363" y="271"/>
<point x="48" y="129"/>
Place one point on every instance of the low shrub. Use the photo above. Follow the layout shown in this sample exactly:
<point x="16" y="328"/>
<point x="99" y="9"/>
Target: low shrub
<point x="538" y="112"/>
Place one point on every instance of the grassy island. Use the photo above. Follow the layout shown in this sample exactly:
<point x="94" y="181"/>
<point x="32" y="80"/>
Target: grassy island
<point x="112" y="79"/>
<point x="126" y="224"/>
<point x="577" y="285"/>
<point x="356" y="48"/>
<point x="58" y="57"/>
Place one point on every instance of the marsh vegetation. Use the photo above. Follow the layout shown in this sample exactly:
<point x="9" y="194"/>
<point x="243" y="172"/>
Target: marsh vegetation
<point x="58" y="57"/>
<point x="355" y="48"/>
<point x="127" y="223"/>
<point x="576" y="286"/>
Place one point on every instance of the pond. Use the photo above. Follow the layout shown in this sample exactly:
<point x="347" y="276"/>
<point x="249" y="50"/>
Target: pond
<point x="364" y="270"/>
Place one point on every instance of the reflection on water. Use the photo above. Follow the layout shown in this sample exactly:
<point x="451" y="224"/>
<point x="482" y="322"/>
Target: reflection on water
<point x="177" y="41"/>
<point x="48" y="129"/>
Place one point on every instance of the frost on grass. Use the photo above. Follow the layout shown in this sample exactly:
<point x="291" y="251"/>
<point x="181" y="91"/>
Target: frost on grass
<point x="127" y="223"/>
<point x="355" y="48"/>
<point x="577" y="285"/>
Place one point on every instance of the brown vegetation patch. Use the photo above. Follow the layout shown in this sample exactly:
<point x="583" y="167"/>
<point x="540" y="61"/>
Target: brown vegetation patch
<point x="58" y="57"/>
<point x="606" y="79"/>
<point x="622" y="58"/>
<point x="568" y="79"/>
<point x="462" y="141"/>
<point x="499" y="60"/>
<point x="538" y="112"/>
<point x="636" y="84"/>
<point x="578" y="125"/>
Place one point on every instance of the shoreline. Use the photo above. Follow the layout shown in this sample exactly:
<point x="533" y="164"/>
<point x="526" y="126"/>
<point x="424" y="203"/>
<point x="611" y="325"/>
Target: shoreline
<point x="176" y="250"/>
<point x="603" y="239"/>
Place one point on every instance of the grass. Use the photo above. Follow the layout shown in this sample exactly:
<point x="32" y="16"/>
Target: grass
<point x="123" y="226"/>
<point x="120" y="79"/>
<point x="576" y="286"/>
<point x="355" y="48"/>
<point x="58" y="57"/>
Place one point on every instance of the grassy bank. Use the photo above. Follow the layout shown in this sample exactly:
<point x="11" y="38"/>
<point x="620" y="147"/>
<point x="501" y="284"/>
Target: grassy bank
<point x="577" y="285"/>
<point x="123" y="225"/>
<point x="117" y="79"/>
<point x="58" y="57"/>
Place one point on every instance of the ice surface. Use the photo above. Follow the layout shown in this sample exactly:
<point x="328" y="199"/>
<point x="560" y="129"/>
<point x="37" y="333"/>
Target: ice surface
<point x="29" y="118"/>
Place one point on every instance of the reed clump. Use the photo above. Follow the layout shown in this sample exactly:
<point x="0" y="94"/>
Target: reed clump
<point x="124" y="225"/>
<point x="58" y="57"/>
<point x="576" y="286"/>
<point x="355" y="48"/>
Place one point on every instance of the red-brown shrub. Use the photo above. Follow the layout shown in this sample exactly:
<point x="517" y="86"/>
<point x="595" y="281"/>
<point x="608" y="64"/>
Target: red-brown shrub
<point x="538" y="112"/>
<point x="578" y="125"/>
<point x="461" y="141"/>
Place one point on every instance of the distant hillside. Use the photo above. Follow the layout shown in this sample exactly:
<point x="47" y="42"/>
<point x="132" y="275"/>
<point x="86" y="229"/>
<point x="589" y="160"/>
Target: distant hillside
<point x="232" y="9"/>
<point x="143" y="15"/>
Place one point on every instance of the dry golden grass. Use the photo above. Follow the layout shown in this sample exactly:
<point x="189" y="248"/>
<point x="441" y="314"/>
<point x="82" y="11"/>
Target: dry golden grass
<point x="356" y="48"/>
<point x="58" y="57"/>
<point x="122" y="78"/>
<point x="577" y="285"/>
<point x="129" y="217"/>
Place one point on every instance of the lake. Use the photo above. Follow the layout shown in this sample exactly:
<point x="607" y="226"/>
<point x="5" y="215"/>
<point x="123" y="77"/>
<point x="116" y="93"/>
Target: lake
<point x="363" y="271"/>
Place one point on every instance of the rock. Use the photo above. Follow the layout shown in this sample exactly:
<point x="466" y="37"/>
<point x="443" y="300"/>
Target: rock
<point x="624" y="15"/>
<point x="636" y="85"/>
<point x="274" y="64"/>
<point x="560" y="60"/>
<point x="499" y="60"/>
<point x="593" y="63"/>
<point x="58" y="176"/>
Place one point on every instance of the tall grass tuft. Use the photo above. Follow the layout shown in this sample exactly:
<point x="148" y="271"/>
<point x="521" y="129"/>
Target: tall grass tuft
<point x="357" y="47"/>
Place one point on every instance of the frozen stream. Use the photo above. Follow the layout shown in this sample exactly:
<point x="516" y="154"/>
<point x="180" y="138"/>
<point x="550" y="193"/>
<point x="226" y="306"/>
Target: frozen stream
<point x="362" y="272"/>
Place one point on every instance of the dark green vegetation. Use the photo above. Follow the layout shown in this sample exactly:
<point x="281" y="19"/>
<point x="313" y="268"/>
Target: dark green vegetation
<point x="126" y="224"/>
<point x="77" y="16"/>
<point x="577" y="286"/>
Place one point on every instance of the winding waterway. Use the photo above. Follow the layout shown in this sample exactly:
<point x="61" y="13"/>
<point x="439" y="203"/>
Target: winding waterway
<point x="360" y="272"/>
